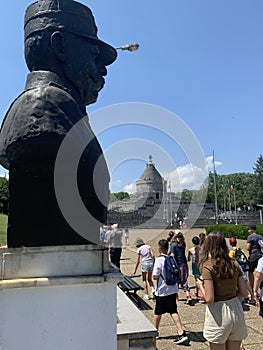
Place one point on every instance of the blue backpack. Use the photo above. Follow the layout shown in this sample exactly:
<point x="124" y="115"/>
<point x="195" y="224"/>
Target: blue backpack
<point x="171" y="271"/>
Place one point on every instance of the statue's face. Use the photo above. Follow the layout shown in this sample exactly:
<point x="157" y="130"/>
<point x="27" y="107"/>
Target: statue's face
<point x="83" y="68"/>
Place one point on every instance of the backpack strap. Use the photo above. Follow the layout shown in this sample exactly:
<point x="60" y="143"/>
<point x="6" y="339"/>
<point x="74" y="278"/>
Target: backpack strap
<point x="161" y="255"/>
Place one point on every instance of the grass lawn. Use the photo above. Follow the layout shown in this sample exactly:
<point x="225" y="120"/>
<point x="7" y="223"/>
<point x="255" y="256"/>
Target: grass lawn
<point x="3" y="226"/>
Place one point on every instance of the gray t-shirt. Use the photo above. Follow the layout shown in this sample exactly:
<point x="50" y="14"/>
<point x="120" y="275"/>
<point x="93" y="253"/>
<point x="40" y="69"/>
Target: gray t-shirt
<point x="115" y="239"/>
<point x="253" y="239"/>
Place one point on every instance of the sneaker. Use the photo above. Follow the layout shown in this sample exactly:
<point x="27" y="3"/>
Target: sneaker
<point x="146" y="297"/>
<point x="189" y="300"/>
<point x="202" y="300"/>
<point x="179" y="339"/>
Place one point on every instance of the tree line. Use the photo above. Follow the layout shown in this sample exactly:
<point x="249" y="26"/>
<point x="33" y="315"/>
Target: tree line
<point x="245" y="189"/>
<point x="4" y="194"/>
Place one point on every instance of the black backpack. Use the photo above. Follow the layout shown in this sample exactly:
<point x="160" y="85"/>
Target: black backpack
<point x="171" y="271"/>
<point x="241" y="259"/>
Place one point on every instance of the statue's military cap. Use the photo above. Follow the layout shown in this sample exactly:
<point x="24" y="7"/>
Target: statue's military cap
<point x="67" y="15"/>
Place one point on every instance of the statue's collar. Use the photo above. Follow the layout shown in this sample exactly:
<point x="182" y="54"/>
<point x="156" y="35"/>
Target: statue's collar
<point x="38" y="78"/>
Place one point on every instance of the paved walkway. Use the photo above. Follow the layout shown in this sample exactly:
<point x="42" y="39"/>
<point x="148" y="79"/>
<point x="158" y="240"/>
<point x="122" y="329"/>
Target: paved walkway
<point x="192" y="316"/>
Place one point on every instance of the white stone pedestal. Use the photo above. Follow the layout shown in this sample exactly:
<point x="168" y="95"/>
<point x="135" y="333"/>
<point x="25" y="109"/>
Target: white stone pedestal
<point x="54" y="298"/>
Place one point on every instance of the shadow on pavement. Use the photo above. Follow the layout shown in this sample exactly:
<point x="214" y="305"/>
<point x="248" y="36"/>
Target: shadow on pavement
<point x="192" y="337"/>
<point x="139" y="302"/>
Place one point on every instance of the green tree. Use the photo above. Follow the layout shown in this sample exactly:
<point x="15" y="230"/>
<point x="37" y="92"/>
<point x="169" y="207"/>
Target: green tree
<point x="200" y="195"/>
<point x="119" y="196"/>
<point x="186" y="194"/>
<point x="240" y="188"/>
<point x="4" y="195"/>
<point x="258" y="171"/>
<point x="210" y="196"/>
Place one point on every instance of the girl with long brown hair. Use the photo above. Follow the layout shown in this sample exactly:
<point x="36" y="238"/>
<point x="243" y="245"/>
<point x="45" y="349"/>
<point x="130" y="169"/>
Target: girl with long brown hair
<point x="222" y="283"/>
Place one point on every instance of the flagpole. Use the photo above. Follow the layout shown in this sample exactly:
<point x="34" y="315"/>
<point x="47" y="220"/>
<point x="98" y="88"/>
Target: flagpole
<point x="235" y="206"/>
<point x="216" y="207"/>
<point x="171" y="209"/>
<point x="167" y="204"/>
<point x="163" y="201"/>
<point x="224" y="193"/>
<point x="170" y="203"/>
<point x="166" y="208"/>
<point x="229" y="201"/>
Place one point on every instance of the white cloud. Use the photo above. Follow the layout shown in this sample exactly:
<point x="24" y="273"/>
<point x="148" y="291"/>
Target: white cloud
<point x="131" y="188"/>
<point x="190" y="176"/>
<point x="210" y="165"/>
<point x="186" y="177"/>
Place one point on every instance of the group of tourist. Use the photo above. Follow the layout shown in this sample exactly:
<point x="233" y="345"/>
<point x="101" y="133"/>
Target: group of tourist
<point x="152" y="268"/>
<point x="112" y="237"/>
<point x="221" y="283"/>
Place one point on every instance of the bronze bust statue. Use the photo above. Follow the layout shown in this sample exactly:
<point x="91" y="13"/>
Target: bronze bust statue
<point x="67" y="64"/>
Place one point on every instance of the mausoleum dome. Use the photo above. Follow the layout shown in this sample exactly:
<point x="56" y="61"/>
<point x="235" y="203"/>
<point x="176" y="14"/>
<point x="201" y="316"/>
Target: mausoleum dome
<point x="150" y="181"/>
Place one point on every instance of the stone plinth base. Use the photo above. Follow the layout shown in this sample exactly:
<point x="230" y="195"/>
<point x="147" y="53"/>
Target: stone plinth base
<point x="53" y="261"/>
<point x="74" y="307"/>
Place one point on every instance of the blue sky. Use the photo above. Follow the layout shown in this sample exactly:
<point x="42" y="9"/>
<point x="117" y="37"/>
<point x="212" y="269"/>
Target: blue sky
<point x="199" y="60"/>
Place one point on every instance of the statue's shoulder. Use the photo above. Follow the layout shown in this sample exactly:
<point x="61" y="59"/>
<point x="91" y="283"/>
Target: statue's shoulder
<point x="50" y="93"/>
<point x="43" y="100"/>
<point x="40" y="108"/>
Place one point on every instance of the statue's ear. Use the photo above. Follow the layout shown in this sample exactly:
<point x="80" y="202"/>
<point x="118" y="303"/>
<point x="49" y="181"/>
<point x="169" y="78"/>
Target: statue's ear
<point x="57" y="44"/>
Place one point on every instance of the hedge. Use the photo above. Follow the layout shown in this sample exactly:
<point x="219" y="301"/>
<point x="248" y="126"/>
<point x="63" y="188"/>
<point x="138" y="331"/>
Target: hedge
<point x="238" y="231"/>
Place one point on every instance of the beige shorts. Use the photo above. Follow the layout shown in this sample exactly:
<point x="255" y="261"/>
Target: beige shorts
<point x="224" y="320"/>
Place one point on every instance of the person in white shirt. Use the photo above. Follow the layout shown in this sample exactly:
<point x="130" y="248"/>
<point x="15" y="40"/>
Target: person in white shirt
<point x="165" y="295"/>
